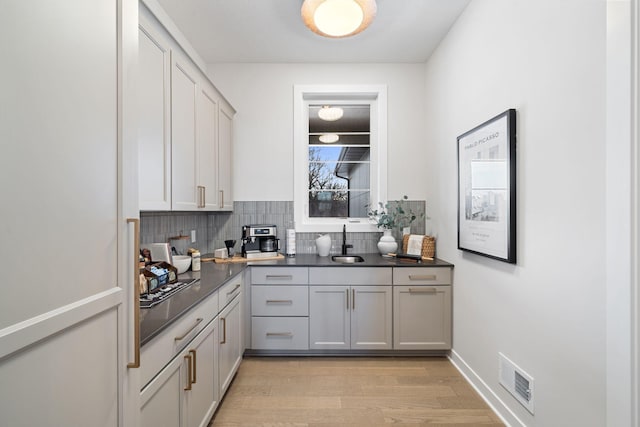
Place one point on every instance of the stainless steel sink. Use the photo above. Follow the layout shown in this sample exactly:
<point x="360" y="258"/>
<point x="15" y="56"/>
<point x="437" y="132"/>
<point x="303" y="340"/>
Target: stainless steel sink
<point x="347" y="259"/>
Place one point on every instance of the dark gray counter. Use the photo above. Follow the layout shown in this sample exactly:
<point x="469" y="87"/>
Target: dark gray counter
<point x="212" y="276"/>
<point x="370" y="260"/>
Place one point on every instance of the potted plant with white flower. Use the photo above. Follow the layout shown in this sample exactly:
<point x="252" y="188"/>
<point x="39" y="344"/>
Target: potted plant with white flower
<point x="390" y="215"/>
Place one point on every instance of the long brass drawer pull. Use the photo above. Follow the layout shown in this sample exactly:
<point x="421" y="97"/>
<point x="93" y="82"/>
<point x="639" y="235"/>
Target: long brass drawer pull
<point x="422" y="277"/>
<point x="279" y="301"/>
<point x="195" y="365"/>
<point x="224" y="330"/>
<point x="189" y="367"/>
<point x="234" y="289"/>
<point x="280" y="276"/>
<point x="347" y="291"/>
<point x="353" y="299"/>
<point x="181" y="337"/>
<point x="279" y="334"/>
<point x="423" y="290"/>
<point x="136" y="293"/>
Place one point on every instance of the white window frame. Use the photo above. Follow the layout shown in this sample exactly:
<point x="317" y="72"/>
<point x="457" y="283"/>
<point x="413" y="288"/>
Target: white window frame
<point x="304" y="95"/>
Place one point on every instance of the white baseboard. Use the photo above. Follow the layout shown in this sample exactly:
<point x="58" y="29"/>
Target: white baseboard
<point x="490" y="397"/>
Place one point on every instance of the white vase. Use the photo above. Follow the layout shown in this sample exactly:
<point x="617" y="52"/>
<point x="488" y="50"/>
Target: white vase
<point x="387" y="244"/>
<point x="323" y="245"/>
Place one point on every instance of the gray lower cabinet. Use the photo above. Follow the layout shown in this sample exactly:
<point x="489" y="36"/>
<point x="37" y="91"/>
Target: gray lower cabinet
<point x="350" y="308"/>
<point x="350" y="317"/>
<point x="185" y="392"/>
<point x="188" y="367"/>
<point x="422" y="308"/>
<point x="279" y="308"/>
<point x="230" y="343"/>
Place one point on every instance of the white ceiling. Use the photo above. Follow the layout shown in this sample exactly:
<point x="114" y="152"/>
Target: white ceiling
<point x="272" y="31"/>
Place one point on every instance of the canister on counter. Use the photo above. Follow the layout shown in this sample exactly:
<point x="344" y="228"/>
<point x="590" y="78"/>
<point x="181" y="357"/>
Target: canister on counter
<point x="195" y="260"/>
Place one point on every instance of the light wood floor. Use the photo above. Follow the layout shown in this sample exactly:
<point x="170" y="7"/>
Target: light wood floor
<point x="323" y="392"/>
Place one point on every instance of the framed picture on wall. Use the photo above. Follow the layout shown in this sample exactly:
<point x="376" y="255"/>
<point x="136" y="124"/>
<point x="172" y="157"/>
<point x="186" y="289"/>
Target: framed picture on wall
<point x="487" y="188"/>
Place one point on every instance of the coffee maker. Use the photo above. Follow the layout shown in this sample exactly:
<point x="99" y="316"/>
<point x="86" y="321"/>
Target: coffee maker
<point x="259" y="241"/>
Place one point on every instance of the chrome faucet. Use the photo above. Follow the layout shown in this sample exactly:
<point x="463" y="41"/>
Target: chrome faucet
<point x="344" y="240"/>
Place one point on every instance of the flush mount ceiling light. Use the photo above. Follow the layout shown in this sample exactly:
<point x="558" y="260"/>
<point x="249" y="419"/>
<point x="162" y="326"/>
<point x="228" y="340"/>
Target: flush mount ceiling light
<point x="330" y="114"/>
<point x="329" y="138"/>
<point x="338" y="18"/>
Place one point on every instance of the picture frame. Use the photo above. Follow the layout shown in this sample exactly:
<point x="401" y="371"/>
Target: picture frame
<point x="487" y="188"/>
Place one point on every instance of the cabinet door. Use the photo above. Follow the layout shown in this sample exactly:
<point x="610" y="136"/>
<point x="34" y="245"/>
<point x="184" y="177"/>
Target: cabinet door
<point x="230" y="348"/>
<point x="154" y="139"/>
<point x="422" y="317"/>
<point x="208" y="195"/>
<point x="371" y="317"/>
<point x="161" y="399"/>
<point x="68" y="140"/>
<point x="329" y="311"/>
<point x="184" y="92"/>
<point x="202" y="399"/>
<point x="225" y="162"/>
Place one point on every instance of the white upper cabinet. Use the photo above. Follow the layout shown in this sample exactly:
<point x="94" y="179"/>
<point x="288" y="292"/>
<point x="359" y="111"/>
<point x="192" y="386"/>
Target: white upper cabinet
<point x="207" y="149"/>
<point x="225" y="150"/>
<point x="186" y="129"/>
<point x="154" y="138"/>
<point x="184" y="175"/>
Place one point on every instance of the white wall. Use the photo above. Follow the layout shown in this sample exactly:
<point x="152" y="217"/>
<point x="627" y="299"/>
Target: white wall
<point x="263" y="127"/>
<point x="548" y="312"/>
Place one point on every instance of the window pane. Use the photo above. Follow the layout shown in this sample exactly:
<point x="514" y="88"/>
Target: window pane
<point x="356" y="118"/>
<point x="343" y="139"/>
<point x="338" y="204"/>
<point x="338" y="176"/>
<point x="339" y="162"/>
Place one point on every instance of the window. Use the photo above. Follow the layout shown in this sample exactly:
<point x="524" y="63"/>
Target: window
<point x="340" y="160"/>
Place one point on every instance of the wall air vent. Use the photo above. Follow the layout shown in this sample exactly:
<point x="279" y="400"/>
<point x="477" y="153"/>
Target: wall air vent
<point x="516" y="381"/>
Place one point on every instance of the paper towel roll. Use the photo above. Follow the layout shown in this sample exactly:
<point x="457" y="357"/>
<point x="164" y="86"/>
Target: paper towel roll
<point x="291" y="242"/>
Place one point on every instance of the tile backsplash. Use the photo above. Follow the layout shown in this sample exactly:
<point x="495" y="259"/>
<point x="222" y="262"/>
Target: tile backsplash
<point x="213" y="228"/>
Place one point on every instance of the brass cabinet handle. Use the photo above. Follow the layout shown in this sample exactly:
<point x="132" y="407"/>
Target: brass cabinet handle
<point x="181" y="337"/>
<point x="279" y="301"/>
<point x="347" y="292"/>
<point x="423" y="290"/>
<point x="279" y="334"/>
<point x="279" y="276"/>
<point x="224" y="330"/>
<point x="201" y="196"/>
<point x="422" y="277"/>
<point x="190" y="367"/>
<point x="234" y="289"/>
<point x="353" y="299"/>
<point x="195" y="365"/>
<point x="221" y="199"/>
<point x="136" y="293"/>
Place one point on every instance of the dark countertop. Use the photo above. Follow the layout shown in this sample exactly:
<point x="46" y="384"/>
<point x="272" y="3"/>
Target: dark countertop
<point x="154" y="320"/>
<point x="370" y="260"/>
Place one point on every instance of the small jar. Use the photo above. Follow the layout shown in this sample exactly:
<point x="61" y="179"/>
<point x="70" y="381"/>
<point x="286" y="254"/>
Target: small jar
<point x="195" y="261"/>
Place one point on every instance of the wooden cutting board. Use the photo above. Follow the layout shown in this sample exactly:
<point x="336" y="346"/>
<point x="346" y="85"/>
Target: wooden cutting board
<point x="237" y="259"/>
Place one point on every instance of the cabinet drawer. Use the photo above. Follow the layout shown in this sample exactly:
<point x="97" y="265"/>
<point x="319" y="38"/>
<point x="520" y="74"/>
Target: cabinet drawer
<point x="159" y="351"/>
<point x="279" y="300"/>
<point x="350" y="276"/>
<point x="279" y="275"/>
<point x="228" y="291"/>
<point x="280" y="333"/>
<point x="422" y="276"/>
